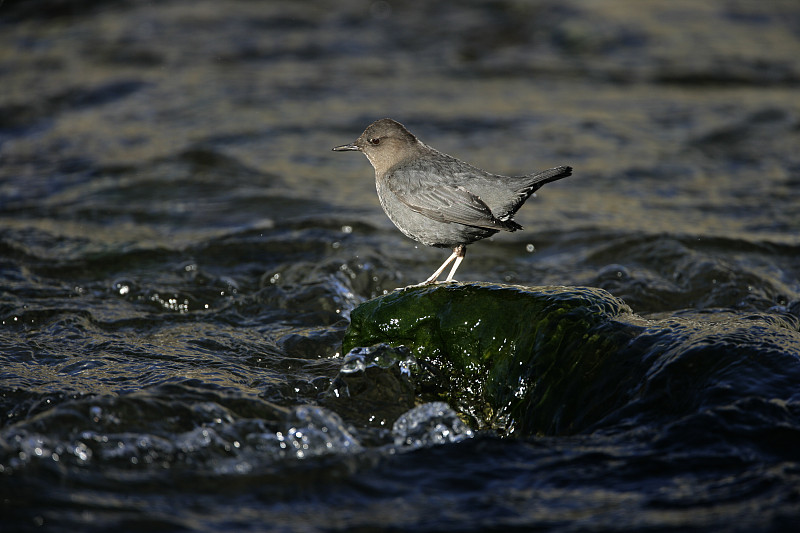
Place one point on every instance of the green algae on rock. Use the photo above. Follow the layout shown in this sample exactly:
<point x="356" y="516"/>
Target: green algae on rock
<point x="535" y="360"/>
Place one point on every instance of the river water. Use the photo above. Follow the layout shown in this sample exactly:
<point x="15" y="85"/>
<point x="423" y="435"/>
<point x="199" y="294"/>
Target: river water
<point x="180" y="252"/>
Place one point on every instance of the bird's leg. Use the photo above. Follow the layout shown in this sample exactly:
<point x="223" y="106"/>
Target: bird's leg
<point x="460" y="252"/>
<point x="439" y="270"/>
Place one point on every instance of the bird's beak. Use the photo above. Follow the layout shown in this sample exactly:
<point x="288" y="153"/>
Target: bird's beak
<point x="346" y="148"/>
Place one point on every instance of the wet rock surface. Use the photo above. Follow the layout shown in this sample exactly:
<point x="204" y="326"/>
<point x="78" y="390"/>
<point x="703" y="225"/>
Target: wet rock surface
<point x="559" y="360"/>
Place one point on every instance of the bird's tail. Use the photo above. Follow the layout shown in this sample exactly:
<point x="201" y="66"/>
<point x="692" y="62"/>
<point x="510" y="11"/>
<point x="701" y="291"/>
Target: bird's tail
<point x="542" y="178"/>
<point x="531" y="184"/>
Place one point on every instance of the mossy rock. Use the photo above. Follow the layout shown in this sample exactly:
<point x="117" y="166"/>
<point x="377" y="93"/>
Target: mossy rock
<point x="546" y="360"/>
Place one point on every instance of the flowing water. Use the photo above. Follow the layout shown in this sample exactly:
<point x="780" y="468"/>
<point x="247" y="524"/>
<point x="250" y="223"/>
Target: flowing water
<point x="180" y="252"/>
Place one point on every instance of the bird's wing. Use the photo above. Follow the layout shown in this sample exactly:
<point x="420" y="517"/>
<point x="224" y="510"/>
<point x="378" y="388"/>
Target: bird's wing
<point x="442" y="202"/>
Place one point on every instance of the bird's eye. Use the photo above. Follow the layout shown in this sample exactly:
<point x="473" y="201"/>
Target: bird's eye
<point x="375" y="141"/>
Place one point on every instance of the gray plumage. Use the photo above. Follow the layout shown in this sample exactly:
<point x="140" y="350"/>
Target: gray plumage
<point x="437" y="199"/>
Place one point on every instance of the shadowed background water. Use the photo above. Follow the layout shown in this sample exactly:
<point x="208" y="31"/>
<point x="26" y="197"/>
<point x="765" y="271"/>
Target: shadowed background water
<point x="180" y="251"/>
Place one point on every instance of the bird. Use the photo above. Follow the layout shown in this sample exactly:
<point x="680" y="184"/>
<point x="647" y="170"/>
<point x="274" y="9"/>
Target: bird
<point x="439" y="200"/>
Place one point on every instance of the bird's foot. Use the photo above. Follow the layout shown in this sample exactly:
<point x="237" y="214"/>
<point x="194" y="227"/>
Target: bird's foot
<point x="427" y="283"/>
<point x="416" y="285"/>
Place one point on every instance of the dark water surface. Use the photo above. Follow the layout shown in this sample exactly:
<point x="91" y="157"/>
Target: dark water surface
<point x="180" y="253"/>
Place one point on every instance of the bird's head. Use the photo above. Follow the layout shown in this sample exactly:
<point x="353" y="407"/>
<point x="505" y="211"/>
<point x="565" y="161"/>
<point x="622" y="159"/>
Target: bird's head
<point x="386" y="143"/>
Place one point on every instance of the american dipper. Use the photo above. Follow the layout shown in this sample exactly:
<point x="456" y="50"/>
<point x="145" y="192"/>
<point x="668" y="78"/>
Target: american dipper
<point x="437" y="199"/>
